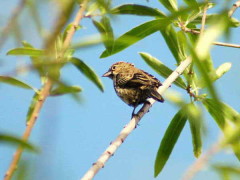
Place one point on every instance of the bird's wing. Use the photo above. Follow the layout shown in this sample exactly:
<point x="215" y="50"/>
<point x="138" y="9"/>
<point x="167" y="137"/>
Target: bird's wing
<point x="123" y="78"/>
<point x="133" y="80"/>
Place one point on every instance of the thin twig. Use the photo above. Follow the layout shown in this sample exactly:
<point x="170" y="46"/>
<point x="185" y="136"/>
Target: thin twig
<point x="201" y="161"/>
<point x="204" y="19"/>
<point x="188" y="30"/>
<point x="44" y="93"/>
<point x="112" y="148"/>
<point x="227" y="44"/>
<point x="11" y="22"/>
<point x="234" y="8"/>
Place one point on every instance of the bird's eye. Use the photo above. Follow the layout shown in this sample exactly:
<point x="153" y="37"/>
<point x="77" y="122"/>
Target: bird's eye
<point x="114" y="67"/>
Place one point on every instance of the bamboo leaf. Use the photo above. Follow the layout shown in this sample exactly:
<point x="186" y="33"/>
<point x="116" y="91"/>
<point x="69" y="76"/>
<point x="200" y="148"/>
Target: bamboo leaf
<point x="136" y="9"/>
<point x="161" y="69"/>
<point x="26" y="51"/>
<point x="135" y="35"/>
<point x="88" y="72"/>
<point x="61" y="90"/>
<point x="169" y="140"/>
<point x="9" y="139"/>
<point x="15" y="82"/>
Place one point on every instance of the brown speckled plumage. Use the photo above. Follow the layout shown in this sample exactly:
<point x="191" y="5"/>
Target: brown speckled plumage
<point x="133" y="85"/>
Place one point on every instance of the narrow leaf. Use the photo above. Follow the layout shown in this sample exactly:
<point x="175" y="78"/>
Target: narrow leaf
<point x="191" y="2"/>
<point x="136" y="9"/>
<point x="135" y="35"/>
<point x="169" y="140"/>
<point x="9" y="139"/>
<point x="32" y="105"/>
<point x="221" y="113"/>
<point x="26" y="51"/>
<point x="170" y="36"/>
<point x="105" y="28"/>
<point x="161" y="69"/>
<point x="227" y="118"/>
<point x="26" y="44"/>
<point x="87" y="71"/>
<point x="171" y="5"/>
<point x="195" y="120"/>
<point x="15" y="82"/>
<point x="61" y="90"/>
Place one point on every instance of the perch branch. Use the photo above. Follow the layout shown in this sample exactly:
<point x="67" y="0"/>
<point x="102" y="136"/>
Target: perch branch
<point x="112" y="148"/>
<point x="44" y="93"/>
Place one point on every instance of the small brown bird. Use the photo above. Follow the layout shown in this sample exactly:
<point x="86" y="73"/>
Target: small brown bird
<point x="134" y="86"/>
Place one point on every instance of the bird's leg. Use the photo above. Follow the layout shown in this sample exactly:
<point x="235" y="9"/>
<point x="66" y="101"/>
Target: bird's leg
<point x="133" y="112"/>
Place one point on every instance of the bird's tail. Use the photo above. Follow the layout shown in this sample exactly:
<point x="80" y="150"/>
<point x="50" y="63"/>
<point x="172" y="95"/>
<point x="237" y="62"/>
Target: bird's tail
<point x="155" y="95"/>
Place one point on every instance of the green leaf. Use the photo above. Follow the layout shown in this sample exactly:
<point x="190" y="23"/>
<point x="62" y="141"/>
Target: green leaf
<point x="136" y="9"/>
<point x="195" y="120"/>
<point x="169" y="140"/>
<point x="35" y="99"/>
<point x="9" y="139"/>
<point x="191" y="2"/>
<point x="105" y="28"/>
<point x="161" y="69"/>
<point x="227" y="119"/>
<point x="15" y="82"/>
<point x="171" y="5"/>
<point x="26" y="51"/>
<point x="26" y="44"/>
<point x="218" y="73"/>
<point x="69" y="26"/>
<point x="61" y="90"/>
<point x="221" y="113"/>
<point x="170" y="36"/>
<point x="135" y="35"/>
<point x="227" y="168"/>
<point x="88" y="72"/>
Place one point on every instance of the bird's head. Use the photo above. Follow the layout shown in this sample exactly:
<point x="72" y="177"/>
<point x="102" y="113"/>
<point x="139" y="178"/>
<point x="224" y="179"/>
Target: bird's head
<point x="117" y="68"/>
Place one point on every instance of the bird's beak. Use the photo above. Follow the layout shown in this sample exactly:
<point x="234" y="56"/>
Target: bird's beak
<point x="107" y="74"/>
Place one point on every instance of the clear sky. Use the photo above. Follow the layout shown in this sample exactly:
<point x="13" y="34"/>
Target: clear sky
<point x="71" y="136"/>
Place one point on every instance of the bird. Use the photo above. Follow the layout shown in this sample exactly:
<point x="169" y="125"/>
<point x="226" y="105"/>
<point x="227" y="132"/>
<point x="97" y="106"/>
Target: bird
<point x="134" y="86"/>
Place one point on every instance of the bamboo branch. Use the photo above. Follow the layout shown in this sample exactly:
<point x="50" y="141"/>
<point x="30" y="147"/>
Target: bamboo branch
<point x="112" y="148"/>
<point x="44" y="93"/>
<point x="12" y="20"/>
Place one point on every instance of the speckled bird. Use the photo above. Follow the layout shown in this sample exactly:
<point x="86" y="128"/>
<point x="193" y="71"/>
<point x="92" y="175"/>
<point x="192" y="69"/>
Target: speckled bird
<point x="134" y="86"/>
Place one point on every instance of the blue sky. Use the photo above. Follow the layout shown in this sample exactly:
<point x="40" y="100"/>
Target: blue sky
<point x="71" y="136"/>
